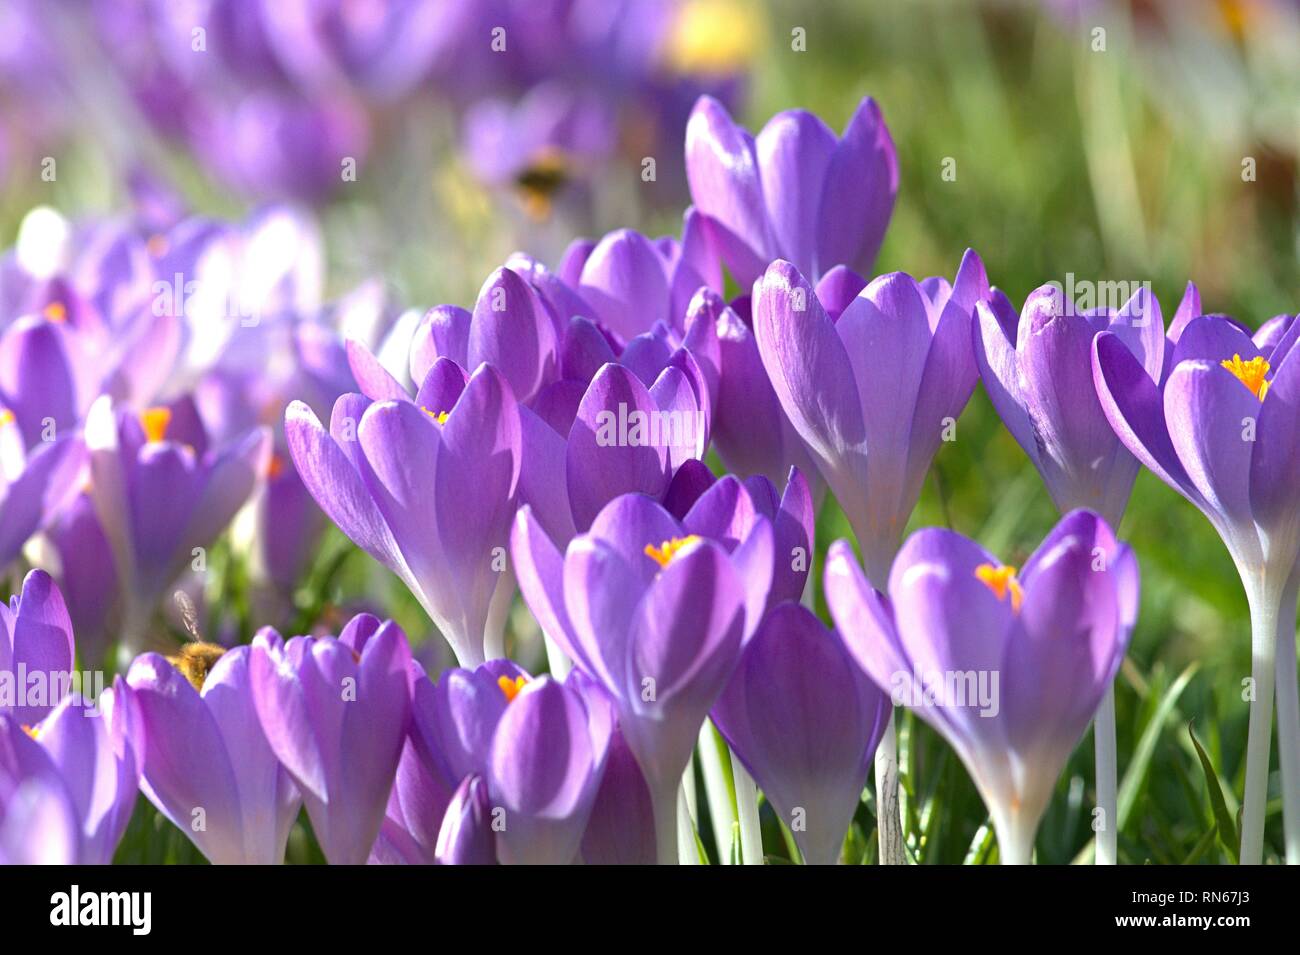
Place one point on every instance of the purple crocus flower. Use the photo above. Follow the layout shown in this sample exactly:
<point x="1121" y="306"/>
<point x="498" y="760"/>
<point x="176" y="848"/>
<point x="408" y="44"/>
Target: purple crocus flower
<point x="805" y="721"/>
<point x="1008" y="667"/>
<point x="873" y="393"/>
<point x="795" y="192"/>
<point x="35" y="487"/>
<point x="86" y="577"/>
<point x="336" y="713"/>
<point x="426" y="487"/>
<point x="656" y="615"/>
<point x="452" y="724"/>
<point x="751" y="431"/>
<point x="466" y="836"/>
<point x="1220" y="426"/>
<point x="206" y="762"/>
<point x="38" y="822"/>
<point x="37" y="650"/>
<point x="82" y="751"/>
<point x="544" y="767"/>
<point x="1037" y="369"/>
<point x="162" y="496"/>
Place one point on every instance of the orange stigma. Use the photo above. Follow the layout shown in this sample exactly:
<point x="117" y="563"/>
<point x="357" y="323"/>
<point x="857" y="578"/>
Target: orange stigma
<point x="510" y="688"/>
<point x="1250" y="373"/>
<point x="157" y="245"/>
<point x="1002" y="581"/>
<point x="274" y="466"/>
<point x="438" y="416"/>
<point x="56" y="312"/>
<point x="33" y="731"/>
<point x="665" y="552"/>
<point x="155" y="422"/>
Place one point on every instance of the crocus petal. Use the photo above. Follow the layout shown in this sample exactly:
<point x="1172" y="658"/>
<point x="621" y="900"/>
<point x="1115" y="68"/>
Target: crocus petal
<point x="858" y="194"/>
<point x="794" y="153"/>
<point x="601" y="462"/>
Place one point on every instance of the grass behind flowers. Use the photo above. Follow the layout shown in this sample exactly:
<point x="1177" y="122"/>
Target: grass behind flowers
<point x="1065" y="162"/>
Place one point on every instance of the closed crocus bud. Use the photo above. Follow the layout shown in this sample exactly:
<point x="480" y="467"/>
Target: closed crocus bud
<point x="1037" y="370"/>
<point x="36" y="650"/>
<point x="805" y="720"/>
<point x="206" y="762"/>
<point x="630" y="438"/>
<point x="656" y="615"/>
<point x="873" y="394"/>
<point x="752" y="432"/>
<point x="796" y="191"/>
<point x="466" y="836"/>
<point x="544" y="767"/>
<point x="336" y="714"/>
<point x="427" y="488"/>
<point x="1008" y="667"/>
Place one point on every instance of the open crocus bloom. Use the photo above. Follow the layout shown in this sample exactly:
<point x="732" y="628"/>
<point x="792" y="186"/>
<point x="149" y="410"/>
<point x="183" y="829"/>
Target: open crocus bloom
<point x="162" y="495"/>
<point x="796" y="191"/>
<point x="1222" y="427"/>
<point x="1037" y="370"/>
<point x="805" y="720"/>
<point x="81" y="758"/>
<point x="1008" y="667"/>
<point x="656" y="615"/>
<point x="872" y="393"/>
<point x="544" y="768"/>
<point x="426" y="487"/>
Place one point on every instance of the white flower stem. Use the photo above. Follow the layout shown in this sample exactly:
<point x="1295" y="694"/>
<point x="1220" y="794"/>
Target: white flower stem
<point x="494" y="632"/>
<point x="1015" y="846"/>
<point x="751" y="832"/>
<point x="1103" y="732"/>
<point x="1288" y="725"/>
<point x="721" y="812"/>
<point x="1263" y="650"/>
<point x="888" y="821"/>
<point x="665" y="810"/>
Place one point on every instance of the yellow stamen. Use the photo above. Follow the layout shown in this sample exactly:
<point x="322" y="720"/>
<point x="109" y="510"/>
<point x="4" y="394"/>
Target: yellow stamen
<point x="511" y="687"/>
<point x="438" y="416"/>
<point x="1002" y="581"/>
<point x="665" y="552"/>
<point x="56" y="312"/>
<point x="155" y="422"/>
<point x="6" y="417"/>
<point x="33" y="731"/>
<point x="1250" y="373"/>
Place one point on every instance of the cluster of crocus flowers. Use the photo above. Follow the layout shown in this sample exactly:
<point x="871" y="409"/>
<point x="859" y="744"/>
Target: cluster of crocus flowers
<point x="553" y="441"/>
